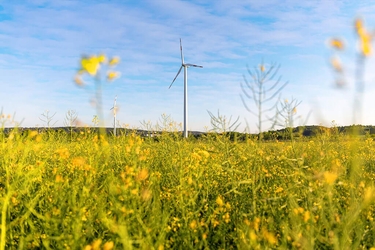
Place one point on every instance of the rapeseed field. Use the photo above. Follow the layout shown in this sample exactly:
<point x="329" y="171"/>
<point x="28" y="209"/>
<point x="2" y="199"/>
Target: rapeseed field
<point x="85" y="191"/>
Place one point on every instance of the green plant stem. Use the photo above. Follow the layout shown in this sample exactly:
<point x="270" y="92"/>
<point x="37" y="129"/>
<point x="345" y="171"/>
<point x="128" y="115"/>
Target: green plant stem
<point x="4" y="212"/>
<point x="99" y="107"/>
<point x="359" y="89"/>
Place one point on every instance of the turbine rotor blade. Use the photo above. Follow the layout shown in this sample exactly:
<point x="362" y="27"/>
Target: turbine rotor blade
<point x="176" y="76"/>
<point x="182" y="55"/>
<point x="193" y="65"/>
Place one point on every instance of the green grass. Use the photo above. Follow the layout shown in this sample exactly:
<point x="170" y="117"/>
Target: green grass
<point x="81" y="192"/>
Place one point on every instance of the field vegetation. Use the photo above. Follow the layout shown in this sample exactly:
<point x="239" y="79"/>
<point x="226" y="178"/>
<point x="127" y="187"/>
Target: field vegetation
<point x="83" y="191"/>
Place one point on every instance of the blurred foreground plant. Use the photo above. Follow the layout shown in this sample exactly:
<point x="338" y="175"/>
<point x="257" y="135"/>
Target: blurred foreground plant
<point x="287" y="112"/>
<point x="8" y="119"/>
<point x="47" y="118"/>
<point x="222" y="124"/>
<point x="167" y="124"/>
<point x="263" y="88"/>
<point x="91" y="66"/>
<point x="287" y="116"/>
<point x="364" y="51"/>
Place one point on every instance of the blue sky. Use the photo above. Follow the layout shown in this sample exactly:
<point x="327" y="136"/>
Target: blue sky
<point x="41" y="43"/>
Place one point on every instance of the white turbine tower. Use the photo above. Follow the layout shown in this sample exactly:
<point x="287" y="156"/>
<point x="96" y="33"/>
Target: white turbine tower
<point x="185" y="66"/>
<point x="114" y="116"/>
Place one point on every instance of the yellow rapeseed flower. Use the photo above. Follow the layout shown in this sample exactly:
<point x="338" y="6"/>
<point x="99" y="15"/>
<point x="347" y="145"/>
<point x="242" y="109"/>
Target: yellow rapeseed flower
<point x="193" y="224"/>
<point x="78" y="161"/>
<point x="228" y="206"/>
<point x="336" y="64"/>
<point x="337" y="43"/>
<point x="262" y="68"/>
<point x="358" y="24"/>
<point x="204" y="153"/>
<point x="78" y="80"/>
<point x="226" y="218"/>
<point x="108" y="245"/>
<point x="102" y="58"/>
<point x="96" y="244"/>
<point x="32" y="134"/>
<point x="330" y="177"/>
<point x="91" y="65"/>
<point x="111" y="75"/>
<point x="59" y="178"/>
<point x="63" y="153"/>
<point x="219" y="201"/>
<point x="252" y="235"/>
<point x="134" y="191"/>
<point x="364" y="37"/>
<point x="146" y="194"/>
<point x="115" y="60"/>
<point x="369" y="194"/>
<point x="306" y="216"/>
<point x="366" y="44"/>
<point x="143" y="174"/>
<point x="195" y="156"/>
<point x="269" y="236"/>
<point x="337" y="218"/>
<point x="279" y="189"/>
<point x="190" y="181"/>
<point x="38" y="138"/>
<point x="256" y="223"/>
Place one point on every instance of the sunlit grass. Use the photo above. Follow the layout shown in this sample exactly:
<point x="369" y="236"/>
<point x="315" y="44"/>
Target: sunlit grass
<point x="132" y="192"/>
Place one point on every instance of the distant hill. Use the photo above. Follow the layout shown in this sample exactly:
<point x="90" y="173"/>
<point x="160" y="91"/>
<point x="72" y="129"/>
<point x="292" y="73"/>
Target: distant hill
<point x="280" y="134"/>
<point x="315" y="130"/>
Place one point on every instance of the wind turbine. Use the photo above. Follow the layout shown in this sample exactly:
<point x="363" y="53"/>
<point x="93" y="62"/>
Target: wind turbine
<point x="185" y="66"/>
<point x="114" y="116"/>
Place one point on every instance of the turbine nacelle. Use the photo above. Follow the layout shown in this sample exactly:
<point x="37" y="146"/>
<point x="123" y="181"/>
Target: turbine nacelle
<point x="183" y="65"/>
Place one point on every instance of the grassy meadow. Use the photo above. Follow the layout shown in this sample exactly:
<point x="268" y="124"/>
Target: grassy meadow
<point x="83" y="191"/>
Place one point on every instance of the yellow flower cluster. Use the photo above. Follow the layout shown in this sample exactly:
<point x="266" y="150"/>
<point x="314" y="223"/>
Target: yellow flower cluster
<point x="97" y="245"/>
<point x="365" y="38"/>
<point x="92" y="64"/>
<point x="365" y="49"/>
